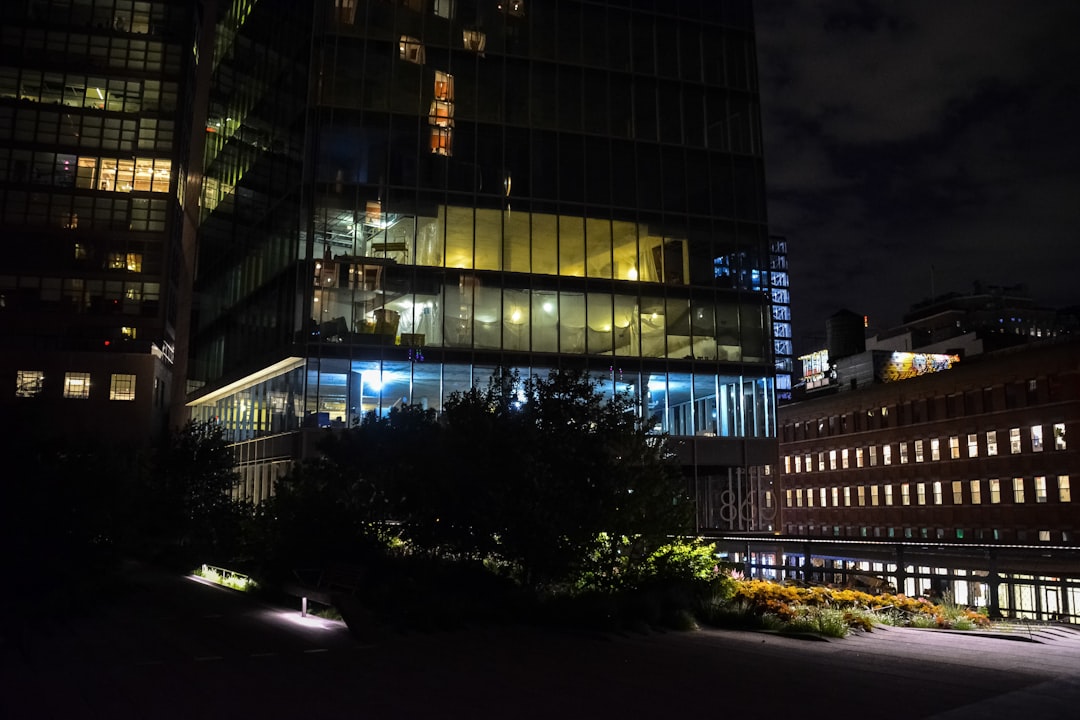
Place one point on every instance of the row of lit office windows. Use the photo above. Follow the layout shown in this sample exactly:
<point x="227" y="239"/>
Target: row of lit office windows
<point x="136" y="174"/>
<point x="1019" y="491"/>
<point x="77" y="90"/>
<point x="923" y="533"/>
<point x="922" y="450"/>
<point x="77" y="385"/>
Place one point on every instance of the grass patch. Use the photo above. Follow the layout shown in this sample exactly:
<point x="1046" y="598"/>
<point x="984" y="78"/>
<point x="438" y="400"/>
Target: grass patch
<point x="226" y="578"/>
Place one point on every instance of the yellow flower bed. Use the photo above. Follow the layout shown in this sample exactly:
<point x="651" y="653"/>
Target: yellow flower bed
<point x="783" y="600"/>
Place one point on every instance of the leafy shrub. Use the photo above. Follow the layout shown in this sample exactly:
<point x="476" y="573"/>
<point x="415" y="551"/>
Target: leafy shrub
<point x="857" y="609"/>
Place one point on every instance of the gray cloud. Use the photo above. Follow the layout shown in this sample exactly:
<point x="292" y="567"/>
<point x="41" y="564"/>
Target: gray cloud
<point x="900" y="138"/>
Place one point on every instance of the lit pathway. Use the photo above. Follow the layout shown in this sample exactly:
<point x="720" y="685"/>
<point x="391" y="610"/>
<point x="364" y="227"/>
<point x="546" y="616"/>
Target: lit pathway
<point x="179" y="649"/>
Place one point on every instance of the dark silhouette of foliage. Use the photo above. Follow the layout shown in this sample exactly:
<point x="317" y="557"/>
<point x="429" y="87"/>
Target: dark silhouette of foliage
<point x="530" y="471"/>
<point x="190" y="494"/>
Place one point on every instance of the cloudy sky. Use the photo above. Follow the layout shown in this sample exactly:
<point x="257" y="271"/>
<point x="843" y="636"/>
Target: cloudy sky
<point x="917" y="147"/>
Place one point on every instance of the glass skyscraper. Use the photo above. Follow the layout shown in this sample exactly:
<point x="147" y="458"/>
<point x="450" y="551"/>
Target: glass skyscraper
<point x="400" y="197"/>
<point x="95" y="99"/>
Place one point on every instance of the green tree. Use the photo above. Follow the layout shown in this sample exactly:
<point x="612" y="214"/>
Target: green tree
<point x="548" y="464"/>
<point x="191" y="494"/>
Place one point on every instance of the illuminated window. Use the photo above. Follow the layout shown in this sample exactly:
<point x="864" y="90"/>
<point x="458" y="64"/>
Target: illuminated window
<point x="1059" y="436"/>
<point x="935" y="449"/>
<point x="919" y="451"/>
<point x="29" y="383"/>
<point x="905" y="494"/>
<point x="444" y="86"/>
<point x="873" y="494"/>
<point x="442" y="141"/>
<point x="954" y="447"/>
<point x="441" y="114"/>
<point x="995" y="491"/>
<point x="77" y="385"/>
<point x="858" y="457"/>
<point x="787" y="463"/>
<point x="798" y="463"/>
<point x="132" y="262"/>
<point x="847" y="497"/>
<point x="973" y="445"/>
<point x="888" y="494"/>
<point x="122" y="387"/>
<point x="958" y="492"/>
<point x="873" y="455"/>
<point x="1044" y="536"/>
<point x="474" y="40"/>
<point x="832" y="459"/>
<point x="809" y="462"/>
<point x="976" y="492"/>
<point x="128" y="333"/>
<point x="1040" y="489"/>
<point x="844" y="458"/>
<point x="809" y="497"/>
<point x="836" y="497"/>
<point x="787" y="497"/>
<point x="1018" y="490"/>
<point x="920" y="492"/>
<point x="80" y="251"/>
<point x="1064" y="494"/>
<point x="798" y="497"/>
<point x="1014" y="441"/>
<point x="991" y="442"/>
<point x="862" y="495"/>
<point x="411" y="50"/>
<point x="886" y="454"/>
<point x="443" y="8"/>
<point x="903" y="453"/>
<point x="1036" y="438"/>
<point x="821" y="461"/>
<point x="938" y="499"/>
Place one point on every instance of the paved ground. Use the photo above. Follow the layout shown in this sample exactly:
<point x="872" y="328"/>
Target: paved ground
<point x="175" y="648"/>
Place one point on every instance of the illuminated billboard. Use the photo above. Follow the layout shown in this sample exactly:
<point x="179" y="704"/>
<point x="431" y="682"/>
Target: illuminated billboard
<point x="815" y="368"/>
<point x="894" y="366"/>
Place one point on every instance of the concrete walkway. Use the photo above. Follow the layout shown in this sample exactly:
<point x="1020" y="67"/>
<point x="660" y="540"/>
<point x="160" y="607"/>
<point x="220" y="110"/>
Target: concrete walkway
<point x="175" y="648"/>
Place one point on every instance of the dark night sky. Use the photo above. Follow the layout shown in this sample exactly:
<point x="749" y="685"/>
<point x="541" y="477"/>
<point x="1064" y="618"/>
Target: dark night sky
<point x="917" y="147"/>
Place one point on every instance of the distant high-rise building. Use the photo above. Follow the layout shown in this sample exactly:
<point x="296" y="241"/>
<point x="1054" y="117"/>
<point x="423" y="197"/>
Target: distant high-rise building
<point x="780" y="295"/>
<point x="401" y="197"/>
<point x="95" y="102"/>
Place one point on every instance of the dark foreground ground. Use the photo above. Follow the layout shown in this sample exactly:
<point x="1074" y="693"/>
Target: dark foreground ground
<point x="171" y="647"/>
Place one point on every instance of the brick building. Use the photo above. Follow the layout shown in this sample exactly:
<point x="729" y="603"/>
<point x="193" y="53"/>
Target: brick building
<point x="978" y="452"/>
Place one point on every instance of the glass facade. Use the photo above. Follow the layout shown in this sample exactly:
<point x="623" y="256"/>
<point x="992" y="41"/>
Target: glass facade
<point x="402" y="196"/>
<point x="94" y="132"/>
